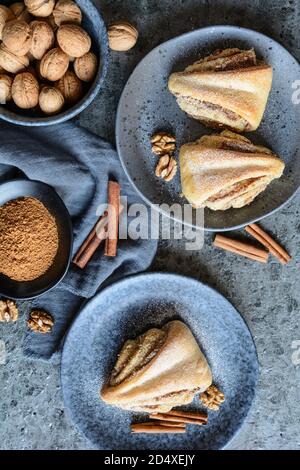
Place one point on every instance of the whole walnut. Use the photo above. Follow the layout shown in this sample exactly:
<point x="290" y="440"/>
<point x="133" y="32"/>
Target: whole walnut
<point x="5" y="15"/>
<point x="42" y="38"/>
<point x="66" y="11"/>
<point x="11" y="62"/>
<point x="70" y="87"/>
<point x="16" y="37"/>
<point x="122" y="36"/>
<point x="25" y="90"/>
<point x="17" y="8"/>
<point x="51" y="100"/>
<point x="41" y="8"/>
<point x="20" y="11"/>
<point x="86" y="67"/>
<point x="50" y="20"/>
<point x="5" y="88"/>
<point x="54" y="64"/>
<point x="73" y="40"/>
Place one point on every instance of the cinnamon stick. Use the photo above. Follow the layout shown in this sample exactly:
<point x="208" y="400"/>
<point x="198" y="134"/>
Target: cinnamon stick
<point x="180" y="419"/>
<point x="241" y="248"/>
<point x="111" y="242"/>
<point x="173" y="424"/>
<point x="92" y="242"/>
<point x="155" y="429"/>
<point x="275" y="249"/>
<point x="187" y="414"/>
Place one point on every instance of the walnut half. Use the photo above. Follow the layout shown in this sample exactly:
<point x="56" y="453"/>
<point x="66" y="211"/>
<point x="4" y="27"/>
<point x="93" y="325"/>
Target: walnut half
<point x="212" y="398"/>
<point x="9" y="312"/>
<point x="166" y="168"/>
<point x="40" y="322"/>
<point x="163" y="143"/>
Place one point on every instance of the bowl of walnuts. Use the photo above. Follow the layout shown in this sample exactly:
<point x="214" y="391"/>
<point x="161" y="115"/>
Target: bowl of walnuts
<point x="53" y="59"/>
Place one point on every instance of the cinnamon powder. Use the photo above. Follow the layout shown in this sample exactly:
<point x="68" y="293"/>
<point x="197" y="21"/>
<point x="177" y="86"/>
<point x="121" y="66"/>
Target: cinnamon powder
<point x="28" y="239"/>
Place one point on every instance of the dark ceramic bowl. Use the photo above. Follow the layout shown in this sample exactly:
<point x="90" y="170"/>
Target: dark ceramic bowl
<point x="93" y="23"/>
<point x="46" y="194"/>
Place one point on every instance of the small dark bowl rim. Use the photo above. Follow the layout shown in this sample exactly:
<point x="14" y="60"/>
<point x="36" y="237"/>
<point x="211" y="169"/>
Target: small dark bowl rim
<point x="14" y="118"/>
<point x="70" y="230"/>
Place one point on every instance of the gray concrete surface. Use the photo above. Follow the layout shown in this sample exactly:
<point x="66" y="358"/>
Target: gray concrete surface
<point x="31" y="409"/>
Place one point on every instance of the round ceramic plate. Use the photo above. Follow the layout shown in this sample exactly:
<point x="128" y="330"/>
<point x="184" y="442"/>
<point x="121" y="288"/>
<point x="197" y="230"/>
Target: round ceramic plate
<point x="130" y="307"/>
<point x="147" y="106"/>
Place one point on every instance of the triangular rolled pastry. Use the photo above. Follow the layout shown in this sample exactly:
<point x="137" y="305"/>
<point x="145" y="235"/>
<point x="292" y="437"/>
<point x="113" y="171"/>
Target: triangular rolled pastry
<point x="226" y="170"/>
<point x="160" y="369"/>
<point x="228" y="89"/>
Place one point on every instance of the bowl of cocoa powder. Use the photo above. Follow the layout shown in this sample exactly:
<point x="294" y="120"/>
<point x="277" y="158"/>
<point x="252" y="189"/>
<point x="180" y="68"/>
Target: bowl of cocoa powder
<point x="35" y="239"/>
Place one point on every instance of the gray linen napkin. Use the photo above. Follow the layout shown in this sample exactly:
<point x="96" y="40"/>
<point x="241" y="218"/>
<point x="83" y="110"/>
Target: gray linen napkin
<point x="77" y="164"/>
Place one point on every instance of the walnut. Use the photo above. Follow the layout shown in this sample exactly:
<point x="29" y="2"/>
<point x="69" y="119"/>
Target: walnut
<point x="122" y="36"/>
<point x="51" y="22"/>
<point x="20" y="11"/>
<point x="66" y="11"/>
<point x="54" y="64"/>
<point x="9" y="312"/>
<point x="5" y="88"/>
<point x="16" y="37"/>
<point x="86" y="67"/>
<point x="212" y="398"/>
<point x="73" y="40"/>
<point x="166" y="167"/>
<point x="25" y="90"/>
<point x="163" y="143"/>
<point x="51" y="100"/>
<point x="11" y="62"/>
<point x="41" y="8"/>
<point x="17" y="8"/>
<point x="5" y="15"/>
<point x="40" y="322"/>
<point x="70" y="87"/>
<point x="42" y="38"/>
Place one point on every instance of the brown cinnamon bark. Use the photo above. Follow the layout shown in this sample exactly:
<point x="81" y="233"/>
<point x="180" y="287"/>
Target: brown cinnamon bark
<point x="111" y="242"/>
<point x="275" y="249"/>
<point x="241" y="248"/>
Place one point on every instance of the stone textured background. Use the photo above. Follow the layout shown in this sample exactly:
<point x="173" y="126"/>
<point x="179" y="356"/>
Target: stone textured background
<point x="31" y="410"/>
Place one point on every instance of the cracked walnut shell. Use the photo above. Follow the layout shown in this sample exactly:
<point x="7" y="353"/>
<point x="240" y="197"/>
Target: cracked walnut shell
<point x="11" y="62"/>
<point x="166" y="168"/>
<point x="40" y="322"/>
<point x="86" y="67"/>
<point x="16" y="37"/>
<point x="66" y="11"/>
<point x="122" y="36"/>
<point x="9" y="312"/>
<point x="54" y="64"/>
<point x="212" y="398"/>
<point x="73" y="40"/>
<point x="25" y="90"/>
<point x="163" y="143"/>
<point x="42" y="38"/>
<point x="41" y="8"/>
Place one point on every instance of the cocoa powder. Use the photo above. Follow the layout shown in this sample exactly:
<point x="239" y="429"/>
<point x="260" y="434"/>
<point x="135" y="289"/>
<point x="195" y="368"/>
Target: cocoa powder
<point x="28" y="239"/>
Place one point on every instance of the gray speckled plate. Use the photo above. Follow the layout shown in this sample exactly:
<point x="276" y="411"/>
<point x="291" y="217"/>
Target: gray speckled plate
<point x="125" y="310"/>
<point x="147" y="106"/>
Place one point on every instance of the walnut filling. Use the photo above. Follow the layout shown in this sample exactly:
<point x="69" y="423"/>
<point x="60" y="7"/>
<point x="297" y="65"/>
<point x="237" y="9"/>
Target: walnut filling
<point x="229" y="59"/>
<point x="136" y="355"/>
<point x="213" y="114"/>
<point x="238" y="188"/>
